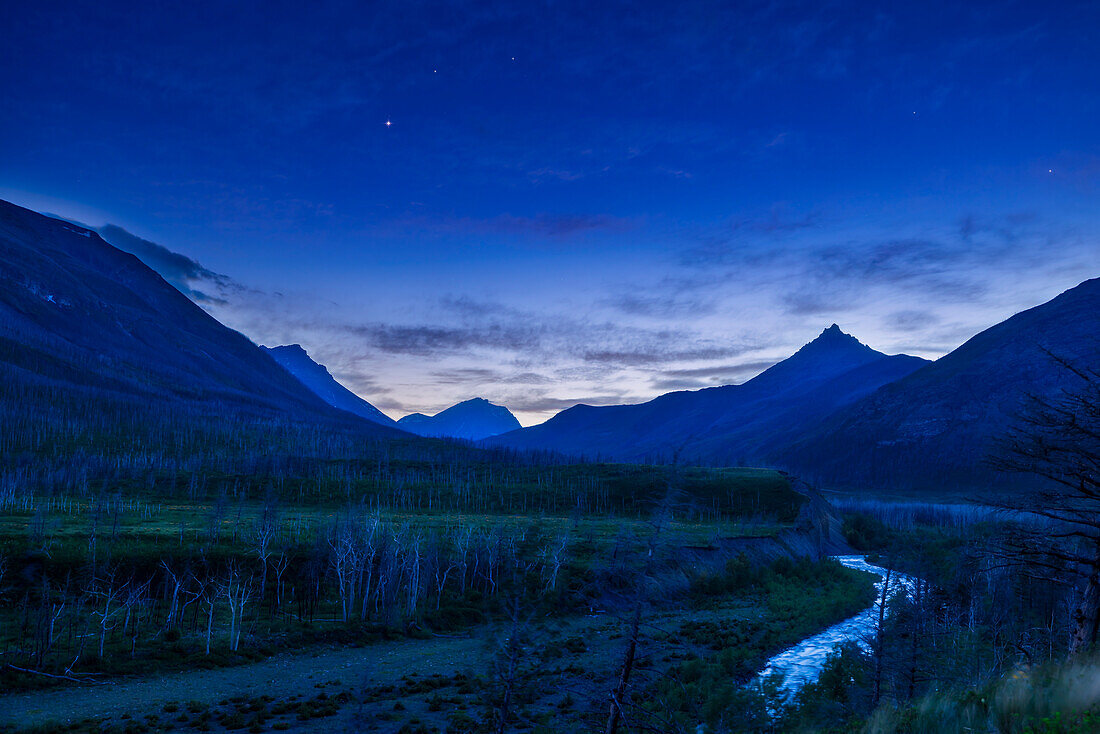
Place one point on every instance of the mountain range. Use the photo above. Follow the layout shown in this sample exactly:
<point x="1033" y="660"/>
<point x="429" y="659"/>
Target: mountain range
<point x="845" y="415"/>
<point x="472" y="420"/>
<point x="727" y="425"/>
<point x="86" y="328"/>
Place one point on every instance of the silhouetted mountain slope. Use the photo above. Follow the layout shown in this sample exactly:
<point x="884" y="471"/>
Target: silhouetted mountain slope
<point x="76" y="312"/>
<point x="472" y="420"/>
<point x="728" y="424"/>
<point x="316" y="377"/>
<point x="934" y="428"/>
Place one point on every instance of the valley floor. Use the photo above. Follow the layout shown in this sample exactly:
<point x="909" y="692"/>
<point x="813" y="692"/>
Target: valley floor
<point x="280" y="677"/>
<point x="405" y="685"/>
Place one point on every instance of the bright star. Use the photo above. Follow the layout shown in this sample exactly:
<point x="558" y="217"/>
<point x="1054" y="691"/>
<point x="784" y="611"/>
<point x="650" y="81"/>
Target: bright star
<point x="388" y="123"/>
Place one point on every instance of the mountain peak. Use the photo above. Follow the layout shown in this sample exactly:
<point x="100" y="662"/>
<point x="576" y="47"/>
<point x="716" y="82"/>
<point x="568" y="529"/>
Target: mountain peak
<point x="472" y="419"/>
<point x="835" y="332"/>
<point x="833" y="338"/>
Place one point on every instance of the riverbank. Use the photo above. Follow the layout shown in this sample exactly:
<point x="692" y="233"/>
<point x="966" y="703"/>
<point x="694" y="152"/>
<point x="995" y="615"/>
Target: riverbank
<point x="803" y="663"/>
<point x="565" y="672"/>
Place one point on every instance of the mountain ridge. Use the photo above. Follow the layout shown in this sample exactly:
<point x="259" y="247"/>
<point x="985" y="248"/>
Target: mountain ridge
<point x="76" y="312"/>
<point x="315" y="376"/>
<point x="938" y="426"/>
<point x="679" y="424"/>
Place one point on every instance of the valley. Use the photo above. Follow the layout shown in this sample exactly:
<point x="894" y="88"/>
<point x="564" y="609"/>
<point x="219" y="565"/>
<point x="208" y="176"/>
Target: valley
<point x="200" y="534"/>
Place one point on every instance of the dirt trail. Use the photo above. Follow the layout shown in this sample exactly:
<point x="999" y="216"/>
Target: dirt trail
<point x="280" y="676"/>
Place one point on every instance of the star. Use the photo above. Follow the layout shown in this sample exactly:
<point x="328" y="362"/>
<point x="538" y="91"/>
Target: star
<point x="388" y="123"/>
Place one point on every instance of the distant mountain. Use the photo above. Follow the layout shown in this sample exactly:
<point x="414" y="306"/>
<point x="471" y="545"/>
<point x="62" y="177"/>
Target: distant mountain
<point x="472" y="420"/>
<point x="724" y="425"/>
<point x="80" y="317"/>
<point x="934" y="428"/>
<point x="317" y="378"/>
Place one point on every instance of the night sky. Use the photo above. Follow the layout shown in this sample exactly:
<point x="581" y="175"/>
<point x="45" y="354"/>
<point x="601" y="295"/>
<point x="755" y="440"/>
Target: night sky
<point x="551" y="203"/>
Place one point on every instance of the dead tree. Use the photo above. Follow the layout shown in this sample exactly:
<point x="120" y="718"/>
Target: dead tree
<point x="237" y="589"/>
<point x="280" y="564"/>
<point x="619" y="695"/>
<point x="209" y="594"/>
<point x="110" y="592"/>
<point x="555" y="557"/>
<point x="880" y="636"/>
<point x="264" y="533"/>
<point x="174" y="581"/>
<point x="342" y="556"/>
<point x="1057" y="441"/>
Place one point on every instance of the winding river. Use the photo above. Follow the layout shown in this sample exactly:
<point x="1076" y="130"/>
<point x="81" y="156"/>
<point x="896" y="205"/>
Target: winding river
<point x="804" y="662"/>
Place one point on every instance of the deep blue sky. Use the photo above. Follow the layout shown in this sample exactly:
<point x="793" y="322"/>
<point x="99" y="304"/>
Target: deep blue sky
<point x="574" y="201"/>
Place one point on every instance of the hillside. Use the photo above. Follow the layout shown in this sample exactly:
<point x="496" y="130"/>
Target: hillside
<point x="75" y="311"/>
<point x="317" y="378"/>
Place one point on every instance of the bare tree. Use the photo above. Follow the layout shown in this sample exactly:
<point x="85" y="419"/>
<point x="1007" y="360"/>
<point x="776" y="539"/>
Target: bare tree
<point x="619" y="701"/>
<point x="209" y="592"/>
<point x="878" y="645"/>
<point x="280" y="564"/>
<point x="1057" y="440"/>
<point x="175" y="582"/>
<point x="555" y="557"/>
<point x="110" y="592"/>
<point x="444" y="561"/>
<point x="370" y="536"/>
<point x="342" y="557"/>
<point x="238" y="591"/>
<point x="264" y="533"/>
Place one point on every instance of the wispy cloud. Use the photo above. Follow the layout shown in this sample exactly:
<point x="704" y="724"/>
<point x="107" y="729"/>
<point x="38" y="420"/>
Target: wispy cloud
<point x="912" y="320"/>
<point x="187" y="275"/>
<point x="653" y="303"/>
<point x="652" y="356"/>
<point x="426" y="340"/>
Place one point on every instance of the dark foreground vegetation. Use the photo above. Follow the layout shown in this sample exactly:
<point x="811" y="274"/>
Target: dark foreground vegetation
<point x="979" y="645"/>
<point x="102" y="587"/>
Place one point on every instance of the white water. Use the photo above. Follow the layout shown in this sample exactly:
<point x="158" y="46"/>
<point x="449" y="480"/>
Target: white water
<point x="804" y="662"/>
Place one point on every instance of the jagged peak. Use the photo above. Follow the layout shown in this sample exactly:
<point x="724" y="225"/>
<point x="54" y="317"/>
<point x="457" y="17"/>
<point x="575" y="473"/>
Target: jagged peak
<point x="835" y="332"/>
<point x="834" y="337"/>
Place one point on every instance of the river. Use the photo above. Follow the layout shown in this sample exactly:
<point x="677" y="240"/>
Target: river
<point x="804" y="662"/>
